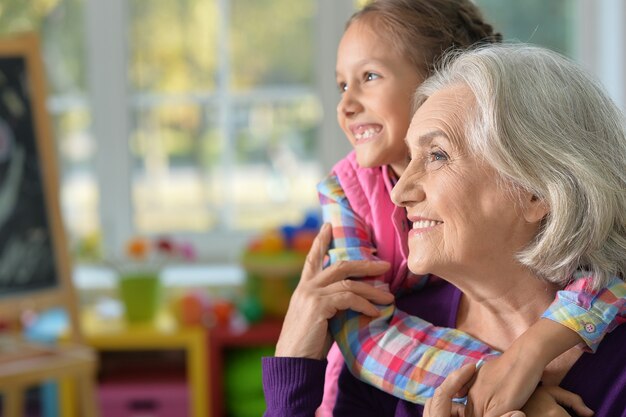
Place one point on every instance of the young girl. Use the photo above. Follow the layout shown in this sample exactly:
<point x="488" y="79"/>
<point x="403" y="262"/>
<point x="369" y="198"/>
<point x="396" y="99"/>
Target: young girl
<point x="387" y="50"/>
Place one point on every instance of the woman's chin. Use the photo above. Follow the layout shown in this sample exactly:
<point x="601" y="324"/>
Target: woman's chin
<point x="419" y="268"/>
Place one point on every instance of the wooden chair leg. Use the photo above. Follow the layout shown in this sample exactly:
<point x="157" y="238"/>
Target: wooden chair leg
<point x="13" y="402"/>
<point x="88" y="400"/>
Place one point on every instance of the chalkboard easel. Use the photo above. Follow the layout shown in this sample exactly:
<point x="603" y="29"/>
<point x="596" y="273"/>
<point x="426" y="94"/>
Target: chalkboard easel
<point x="34" y="263"/>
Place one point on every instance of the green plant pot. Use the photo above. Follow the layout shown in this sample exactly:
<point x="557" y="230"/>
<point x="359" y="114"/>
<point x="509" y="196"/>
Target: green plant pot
<point x="140" y="293"/>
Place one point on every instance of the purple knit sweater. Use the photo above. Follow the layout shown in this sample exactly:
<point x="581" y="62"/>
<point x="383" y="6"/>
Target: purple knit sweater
<point x="294" y="386"/>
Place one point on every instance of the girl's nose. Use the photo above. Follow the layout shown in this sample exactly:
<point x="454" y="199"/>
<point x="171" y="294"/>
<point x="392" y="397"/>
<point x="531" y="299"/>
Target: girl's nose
<point x="349" y="105"/>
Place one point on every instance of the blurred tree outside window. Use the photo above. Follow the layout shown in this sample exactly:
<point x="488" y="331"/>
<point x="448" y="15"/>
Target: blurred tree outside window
<point x="224" y="114"/>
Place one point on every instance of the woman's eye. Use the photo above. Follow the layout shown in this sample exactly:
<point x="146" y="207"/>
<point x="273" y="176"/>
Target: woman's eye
<point x="342" y="87"/>
<point x="371" y="76"/>
<point x="437" y="156"/>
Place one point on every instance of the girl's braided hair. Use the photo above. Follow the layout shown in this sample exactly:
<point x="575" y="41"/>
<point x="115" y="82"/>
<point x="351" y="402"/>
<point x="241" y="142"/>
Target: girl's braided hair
<point x="423" y="30"/>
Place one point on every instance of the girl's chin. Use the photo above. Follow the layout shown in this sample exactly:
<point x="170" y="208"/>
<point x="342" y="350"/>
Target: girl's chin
<point x="367" y="160"/>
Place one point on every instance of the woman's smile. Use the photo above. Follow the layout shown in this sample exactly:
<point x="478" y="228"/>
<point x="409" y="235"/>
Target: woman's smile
<point x="423" y="225"/>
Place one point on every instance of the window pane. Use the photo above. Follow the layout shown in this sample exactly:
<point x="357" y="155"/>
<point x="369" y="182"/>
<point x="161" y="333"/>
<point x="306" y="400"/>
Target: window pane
<point x="179" y="165"/>
<point x="169" y="152"/>
<point x="548" y="23"/>
<point x="276" y="171"/>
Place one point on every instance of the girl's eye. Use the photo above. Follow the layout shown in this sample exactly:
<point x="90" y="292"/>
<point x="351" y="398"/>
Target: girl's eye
<point x="371" y="76"/>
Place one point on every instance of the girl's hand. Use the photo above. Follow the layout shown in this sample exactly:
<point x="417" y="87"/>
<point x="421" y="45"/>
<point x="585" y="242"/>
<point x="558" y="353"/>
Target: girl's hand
<point x="507" y="382"/>
<point x="321" y="293"/>
<point x="504" y="383"/>
<point x="454" y="386"/>
<point x="544" y="401"/>
<point x="549" y="402"/>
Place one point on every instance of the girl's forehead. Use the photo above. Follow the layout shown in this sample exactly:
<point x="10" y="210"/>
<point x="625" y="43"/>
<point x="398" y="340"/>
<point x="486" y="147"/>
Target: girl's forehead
<point x="369" y="30"/>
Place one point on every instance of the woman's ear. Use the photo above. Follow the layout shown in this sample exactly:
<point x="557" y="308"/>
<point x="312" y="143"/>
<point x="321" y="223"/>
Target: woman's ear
<point x="535" y="208"/>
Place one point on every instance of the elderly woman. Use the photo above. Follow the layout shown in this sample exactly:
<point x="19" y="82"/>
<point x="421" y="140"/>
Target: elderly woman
<point x="517" y="182"/>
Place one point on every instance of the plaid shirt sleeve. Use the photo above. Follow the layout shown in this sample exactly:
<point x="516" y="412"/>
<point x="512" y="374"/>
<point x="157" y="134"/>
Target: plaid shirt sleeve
<point x="400" y="354"/>
<point x="351" y="236"/>
<point x="409" y="357"/>
<point x="590" y="313"/>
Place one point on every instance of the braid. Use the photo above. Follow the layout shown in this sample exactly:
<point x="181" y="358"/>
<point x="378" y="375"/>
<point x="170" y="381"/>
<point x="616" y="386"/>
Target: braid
<point x="474" y="28"/>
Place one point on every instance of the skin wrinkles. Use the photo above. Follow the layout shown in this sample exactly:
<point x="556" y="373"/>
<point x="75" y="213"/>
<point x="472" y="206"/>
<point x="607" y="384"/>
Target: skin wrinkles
<point x="377" y="86"/>
<point x="470" y="248"/>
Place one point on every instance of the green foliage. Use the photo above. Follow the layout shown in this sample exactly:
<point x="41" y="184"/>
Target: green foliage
<point x="60" y="27"/>
<point x="173" y="45"/>
<point x="271" y="42"/>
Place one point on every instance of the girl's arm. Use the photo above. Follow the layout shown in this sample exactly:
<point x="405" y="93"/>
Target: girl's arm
<point x="374" y="353"/>
<point x="591" y="314"/>
<point x="404" y="355"/>
<point x="351" y="237"/>
<point x="395" y="352"/>
<point x="578" y="316"/>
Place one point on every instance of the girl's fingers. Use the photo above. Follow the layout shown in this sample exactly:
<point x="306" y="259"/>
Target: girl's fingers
<point x="569" y="399"/>
<point x="457" y="380"/>
<point x="357" y="296"/>
<point x="440" y="405"/>
<point x="452" y="410"/>
<point x="341" y="270"/>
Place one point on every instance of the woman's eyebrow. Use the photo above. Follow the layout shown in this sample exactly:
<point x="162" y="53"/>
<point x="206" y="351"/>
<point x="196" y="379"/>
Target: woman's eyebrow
<point x="426" y="138"/>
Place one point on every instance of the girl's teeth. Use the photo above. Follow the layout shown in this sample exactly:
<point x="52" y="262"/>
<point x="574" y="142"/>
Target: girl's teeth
<point x="365" y="135"/>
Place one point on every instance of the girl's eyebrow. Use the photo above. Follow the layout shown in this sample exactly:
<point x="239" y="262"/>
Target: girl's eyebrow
<point x="366" y="62"/>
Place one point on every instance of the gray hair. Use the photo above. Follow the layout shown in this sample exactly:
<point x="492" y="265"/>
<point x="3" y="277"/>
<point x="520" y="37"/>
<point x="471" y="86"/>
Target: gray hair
<point x="545" y="125"/>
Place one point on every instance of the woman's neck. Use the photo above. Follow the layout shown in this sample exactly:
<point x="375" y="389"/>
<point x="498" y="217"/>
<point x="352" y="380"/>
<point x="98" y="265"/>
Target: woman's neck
<point x="497" y="308"/>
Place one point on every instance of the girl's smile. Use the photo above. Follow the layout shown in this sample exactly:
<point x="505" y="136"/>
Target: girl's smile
<point x="376" y="85"/>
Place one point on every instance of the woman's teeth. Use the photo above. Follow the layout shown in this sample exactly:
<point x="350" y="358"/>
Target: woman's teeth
<point x="423" y="224"/>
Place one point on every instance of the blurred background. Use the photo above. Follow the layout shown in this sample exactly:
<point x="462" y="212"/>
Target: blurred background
<point x="190" y="136"/>
<point x="214" y="119"/>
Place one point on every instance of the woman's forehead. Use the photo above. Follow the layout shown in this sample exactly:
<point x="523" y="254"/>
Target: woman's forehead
<point x="444" y="114"/>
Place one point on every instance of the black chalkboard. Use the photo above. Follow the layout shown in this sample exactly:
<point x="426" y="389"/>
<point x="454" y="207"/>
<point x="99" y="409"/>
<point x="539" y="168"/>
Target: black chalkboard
<point x="27" y="257"/>
<point x="26" y="252"/>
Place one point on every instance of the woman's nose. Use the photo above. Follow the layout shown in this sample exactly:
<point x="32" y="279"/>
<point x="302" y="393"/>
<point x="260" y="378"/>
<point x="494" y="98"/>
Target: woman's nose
<point x="408" y="190"/>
